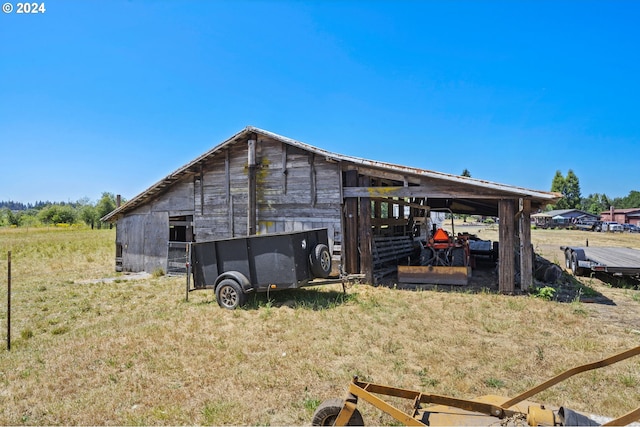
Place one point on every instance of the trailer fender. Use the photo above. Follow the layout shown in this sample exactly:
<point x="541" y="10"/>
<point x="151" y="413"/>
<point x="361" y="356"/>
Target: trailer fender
<point x="242" y="280"/>
<point x="578" y="255"/>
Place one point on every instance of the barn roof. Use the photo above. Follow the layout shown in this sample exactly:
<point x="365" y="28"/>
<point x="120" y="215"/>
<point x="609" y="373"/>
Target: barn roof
<point x="562" y="213"/>
<point x="540" y="198"/>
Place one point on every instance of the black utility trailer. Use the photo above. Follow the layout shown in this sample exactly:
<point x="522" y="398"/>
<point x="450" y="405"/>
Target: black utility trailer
<point x="613" y="260"/>
<point x="238" y="266"/>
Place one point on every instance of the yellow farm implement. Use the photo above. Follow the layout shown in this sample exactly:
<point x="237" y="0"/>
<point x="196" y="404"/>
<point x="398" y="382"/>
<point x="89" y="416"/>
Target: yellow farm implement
<point x="437" y="410"/>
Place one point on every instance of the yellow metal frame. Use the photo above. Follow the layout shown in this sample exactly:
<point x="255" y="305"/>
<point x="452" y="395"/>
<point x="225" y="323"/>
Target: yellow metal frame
<point x="488" y="406"/>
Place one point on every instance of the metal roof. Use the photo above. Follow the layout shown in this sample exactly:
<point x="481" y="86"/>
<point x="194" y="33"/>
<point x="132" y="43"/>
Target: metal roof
<point x="562" y="212"/>
<point x="542" y="197"/>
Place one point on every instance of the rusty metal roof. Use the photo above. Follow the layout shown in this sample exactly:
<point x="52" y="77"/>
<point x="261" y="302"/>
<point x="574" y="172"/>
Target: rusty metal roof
<point x="542" y="197"/>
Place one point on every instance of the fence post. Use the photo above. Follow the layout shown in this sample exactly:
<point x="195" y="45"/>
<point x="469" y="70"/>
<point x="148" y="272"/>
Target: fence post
<point x="9" y="301"/>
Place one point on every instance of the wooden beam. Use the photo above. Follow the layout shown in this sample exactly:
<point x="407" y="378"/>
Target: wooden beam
<point x="506" y="232"/>
<point x="252" y="194"/>
<point x="421" y="191"/>
<point x="365" y="237"/>
<point x="436" y="275"/>
<point x="401" y="202"/>
<point x="526" y="250"/>
<point x="312" y="178"/>
<point x="350" y="226"/>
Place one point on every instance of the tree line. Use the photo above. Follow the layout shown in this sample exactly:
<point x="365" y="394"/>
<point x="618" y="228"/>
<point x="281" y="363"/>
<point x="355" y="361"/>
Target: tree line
<point x="596" y="203"/>
<point x="47" y="213"/>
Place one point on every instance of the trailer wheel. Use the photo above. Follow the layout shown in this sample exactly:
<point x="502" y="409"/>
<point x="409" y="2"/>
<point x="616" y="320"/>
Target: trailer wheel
<point x="229" y="294"/>
<point x="577" y="271"/>
<point x="320" y="260"/>
<point x="567" y="260"/>
<point x="328" y="411"/>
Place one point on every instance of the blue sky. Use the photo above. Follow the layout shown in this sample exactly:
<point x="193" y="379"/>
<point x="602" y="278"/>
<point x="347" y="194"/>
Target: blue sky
<point x="114" y="95"/>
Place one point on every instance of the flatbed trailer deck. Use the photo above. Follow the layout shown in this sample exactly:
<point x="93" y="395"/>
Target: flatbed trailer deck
<point x="613" y="260"/>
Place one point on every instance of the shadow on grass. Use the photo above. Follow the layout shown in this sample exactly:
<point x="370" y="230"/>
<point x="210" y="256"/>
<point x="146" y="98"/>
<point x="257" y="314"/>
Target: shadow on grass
<point x="570" y="289"/>
<point x="301" y="298"/>
<point x="623" y="282"/>
<point x="566" y="288"/>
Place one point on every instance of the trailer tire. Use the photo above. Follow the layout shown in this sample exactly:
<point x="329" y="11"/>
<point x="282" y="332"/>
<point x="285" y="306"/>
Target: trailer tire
<point x="229" y="294"/>
<point x="320" y="261"/>
<point x="577" y="271"/>
<point x="567" y="259"/>
<point x="328" y="411"/>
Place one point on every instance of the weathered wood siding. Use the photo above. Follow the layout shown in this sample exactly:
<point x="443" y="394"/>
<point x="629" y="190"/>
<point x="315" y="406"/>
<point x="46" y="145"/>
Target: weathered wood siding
<point x="295" y="191"/>
<point x="144" y="234"/>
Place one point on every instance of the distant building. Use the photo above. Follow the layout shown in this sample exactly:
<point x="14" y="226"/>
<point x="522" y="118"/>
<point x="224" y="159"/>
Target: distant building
<point x="622" y="216"/>
<point x="562" y="218"/>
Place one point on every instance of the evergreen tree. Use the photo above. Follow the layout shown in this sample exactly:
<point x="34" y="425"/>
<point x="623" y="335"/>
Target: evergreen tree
<point x="559" y="185"/>
<point x="569" y="187"/>
<point x="572" y="190"/>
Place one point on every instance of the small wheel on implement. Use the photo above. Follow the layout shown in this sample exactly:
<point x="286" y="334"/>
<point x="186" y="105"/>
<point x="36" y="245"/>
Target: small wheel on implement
<point x="328" y="411"/>
<point x="458" y="257"/>
<point x="229" y="294"/>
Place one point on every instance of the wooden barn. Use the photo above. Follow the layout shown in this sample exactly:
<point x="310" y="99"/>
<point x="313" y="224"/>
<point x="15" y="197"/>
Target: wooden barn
<point x="259" y="182"/>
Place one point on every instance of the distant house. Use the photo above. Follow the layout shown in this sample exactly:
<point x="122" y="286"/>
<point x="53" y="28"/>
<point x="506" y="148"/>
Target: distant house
<point x="562" y="218"/>
<point x="622" y="216"/>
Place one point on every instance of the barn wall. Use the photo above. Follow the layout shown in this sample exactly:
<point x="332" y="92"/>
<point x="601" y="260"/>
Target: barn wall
<point x="130" y="236"/>
<point x="143" y="234"/>
<point x="295" y="191"/>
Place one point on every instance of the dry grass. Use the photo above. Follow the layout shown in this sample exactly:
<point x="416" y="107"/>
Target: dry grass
<point x="135" y="353"/>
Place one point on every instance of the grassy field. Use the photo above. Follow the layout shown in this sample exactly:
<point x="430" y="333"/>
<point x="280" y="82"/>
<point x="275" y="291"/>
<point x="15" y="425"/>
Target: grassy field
<point x="136" y="353"/>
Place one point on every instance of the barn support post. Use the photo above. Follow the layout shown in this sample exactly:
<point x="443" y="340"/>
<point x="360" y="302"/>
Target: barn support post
<point x="251" y="203"/>
<point x="350" y="228"/>
<point x="526" y="250"/>
<point x="365" y="237"/>
<point x="506" y="271"/>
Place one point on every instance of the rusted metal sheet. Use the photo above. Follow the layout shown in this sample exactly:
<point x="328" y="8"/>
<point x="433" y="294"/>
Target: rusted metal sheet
<point x="434" y="275"/>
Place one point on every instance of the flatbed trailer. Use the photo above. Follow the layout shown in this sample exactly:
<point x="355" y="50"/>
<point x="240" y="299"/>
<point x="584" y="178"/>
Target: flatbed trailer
<point x="612" y="260"/>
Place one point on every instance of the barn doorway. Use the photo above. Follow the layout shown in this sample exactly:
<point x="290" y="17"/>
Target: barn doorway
<point x="180" y="237"/>
<point x="181" y="228"/>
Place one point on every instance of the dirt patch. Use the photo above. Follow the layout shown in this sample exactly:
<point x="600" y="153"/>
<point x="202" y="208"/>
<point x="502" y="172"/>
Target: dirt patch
<point x="123" y="278"/>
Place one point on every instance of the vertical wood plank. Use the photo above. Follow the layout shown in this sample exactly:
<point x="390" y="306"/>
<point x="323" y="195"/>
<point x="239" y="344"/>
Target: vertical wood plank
<point x="252" y="187"/>
<point x="365" y="236"/>
<point x="284" y="168"/>
<point x="526" y="250"/>
<point x="201" y="190"/>
<point x="506" y="272"/>
<point x="312" y="178"/>
<point x="350" y="231"/>
<point x="227" y="189"/>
